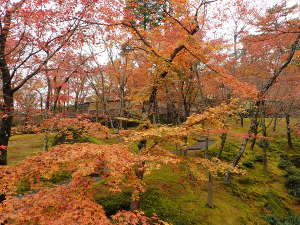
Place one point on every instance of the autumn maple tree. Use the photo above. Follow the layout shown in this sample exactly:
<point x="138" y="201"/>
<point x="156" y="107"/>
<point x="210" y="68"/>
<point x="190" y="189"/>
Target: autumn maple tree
<point x="86" y="163"/>
<point x="148" y="75"/>
<point x="32" y="33"/>
<point x="278" y="40"/>
<point x="213" y="120"/>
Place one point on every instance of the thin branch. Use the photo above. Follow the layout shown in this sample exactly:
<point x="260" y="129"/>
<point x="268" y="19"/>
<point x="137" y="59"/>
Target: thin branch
<point x="37" y="70"/>
<point x="277" y="72"/>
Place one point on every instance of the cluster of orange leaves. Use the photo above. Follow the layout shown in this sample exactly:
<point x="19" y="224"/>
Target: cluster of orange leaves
<point x="296" y="129"/>
<point x="158" y="134"/>
<point x="111" y="162"/>
<point x="214" y="119"/>
<point x="66" y="204"/>
<point x="71" y="126"/>
<point x="26" y="129"/>
<point x="135" y="217"/>
<point x="71" y="203"/>
<point x="215" y="166"/>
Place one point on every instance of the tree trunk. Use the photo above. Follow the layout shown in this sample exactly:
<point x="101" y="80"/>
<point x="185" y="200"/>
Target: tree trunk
<point x="8" y="106"/>
<point x="261" y="95"/>
<point x="253" y="142"/>
<point x="252" y="130"/>
<point x="210" y="203"/>
<point x="275" y="123"/>
<point x="289" y="131"/>
<point x="55" y="102"/>
<point x="254" y="124"/>
<point x="2" y="198"/>
<point x="122" y="106"/>
<point x="254" y="133"/>
<point x="172" y="112"/>
<point x="141" y="145"/>
<point x="76" y="102"/>
<point x="238" y="158"/>
<point x="97" y="110"/>
<point x="49" y="93"/>
<point x="153" y="107"/>
<point x="241" y="152"/>
<point x="135" y="204"/>
<point x="45" y="144"/>
<point x="223" y="141"/>
<point x="242" y="120"/>
<point x="156" y="119"/>
<point x="104" y="100"/>
<point x="41" y="102"/>
<point x="210" y="180"/>
<point x="187" y="110"/>
<point x="206" y="148"/>
<point x="265" y="144"/>
<point x="6" y="123"/>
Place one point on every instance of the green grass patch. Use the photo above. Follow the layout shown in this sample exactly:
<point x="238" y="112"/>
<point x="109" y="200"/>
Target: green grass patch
<point x="23" y="186"/>
<point x="58" y="177"/>
<point x="176" y="199"/>
<point x="22" y="146"/>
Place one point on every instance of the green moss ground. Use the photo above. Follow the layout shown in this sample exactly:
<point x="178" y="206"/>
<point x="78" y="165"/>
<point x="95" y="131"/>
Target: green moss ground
<point x="21" y="146"/>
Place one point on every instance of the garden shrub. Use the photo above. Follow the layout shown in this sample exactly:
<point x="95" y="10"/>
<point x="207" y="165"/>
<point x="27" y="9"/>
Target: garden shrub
<point x="248" y="164"/>
<point x="295" y="159"/>
<point x="293" y="182"/>
<point x="289" y="220"/>
<point x="60" y="177"/>
<point x="116" y="202"/>
<point x="166" y="209"/>
<point x="23" y="186"/>
<point x="73" y="130"/>
<point x="284" y="164"/>
<point x="295" y="192"/>
<point x="229" y="152"/>
<point x="25" y="129"/>
<point x="246" y="180"/>
<point x="292" y="171"/>
<point x="258" y="158"/>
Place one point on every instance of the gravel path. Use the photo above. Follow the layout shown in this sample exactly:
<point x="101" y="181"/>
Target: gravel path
<point x="201" y="144"/>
